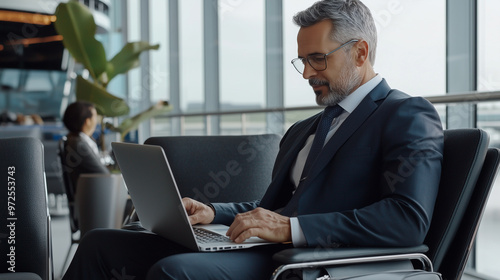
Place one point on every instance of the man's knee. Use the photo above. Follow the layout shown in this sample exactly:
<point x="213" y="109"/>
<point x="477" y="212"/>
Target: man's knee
<point x="169" y="268"/>
<point x="96" y="239"/>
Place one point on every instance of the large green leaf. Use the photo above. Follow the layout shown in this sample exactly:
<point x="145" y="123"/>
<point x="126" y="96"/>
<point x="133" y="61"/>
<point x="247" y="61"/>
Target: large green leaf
<point x="105" y="103"/>
<point x="127" y="58"/>
<point x="76" y="24"/>
<point x="132" y="123"/>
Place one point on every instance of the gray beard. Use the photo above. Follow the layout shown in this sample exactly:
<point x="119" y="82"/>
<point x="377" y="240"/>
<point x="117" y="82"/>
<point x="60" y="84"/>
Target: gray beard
<point x="348" y="80"/>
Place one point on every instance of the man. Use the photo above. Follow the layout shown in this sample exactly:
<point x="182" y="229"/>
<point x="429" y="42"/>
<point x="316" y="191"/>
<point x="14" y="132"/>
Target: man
<point x="374" y="182"/>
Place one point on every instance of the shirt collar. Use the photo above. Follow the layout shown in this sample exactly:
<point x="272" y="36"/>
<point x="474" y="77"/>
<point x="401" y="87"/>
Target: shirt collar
<point x="352" y="100"/>
<point x="90" y="142"/>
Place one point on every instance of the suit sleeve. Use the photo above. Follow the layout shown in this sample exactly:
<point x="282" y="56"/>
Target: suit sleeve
<point x="225" y="212"/>
<point x="412" y="144"/>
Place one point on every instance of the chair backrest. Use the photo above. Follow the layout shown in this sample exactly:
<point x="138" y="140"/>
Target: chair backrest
<point x="100" y="200"/>
<point x="458" y="254"/>
<point x="463" y="157"/>
<point x="68" y="185"/>
<point x="25" y="231"/>
<point x="221" y="168"/>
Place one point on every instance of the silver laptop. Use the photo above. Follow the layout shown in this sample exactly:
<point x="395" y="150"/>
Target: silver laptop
<point x="158" y="203"/>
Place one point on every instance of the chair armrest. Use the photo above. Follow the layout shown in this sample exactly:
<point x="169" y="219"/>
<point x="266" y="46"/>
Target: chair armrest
<point x="387" y="258"/>
<point x="301" y="255"/>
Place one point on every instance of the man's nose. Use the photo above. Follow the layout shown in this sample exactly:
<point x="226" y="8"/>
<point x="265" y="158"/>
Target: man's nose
<point x="308" y="72"/>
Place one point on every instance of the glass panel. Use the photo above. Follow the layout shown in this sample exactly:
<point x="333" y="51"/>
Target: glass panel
<point x="488" y="79"/>
<point x="113" y="43"/>
<point x="242" y="54"/>
<point x="158" y="72"/>
<point x="237" y="124"/>
<point x="191" y="54"/>
<point x="133" y="34"/>
<point x="161" y="126"/>
<point x="488" y="42"/>
<point x="487" y="241"/>
<point x="32" y="92"/>
<point x="193" y="126"/>
<point x="231" y="124"/>
<point x="297" y="90"/>
<point x="411" y="47"/>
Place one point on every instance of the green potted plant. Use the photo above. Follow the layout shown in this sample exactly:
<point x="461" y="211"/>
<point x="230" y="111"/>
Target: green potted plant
<point x="77" y="26"/>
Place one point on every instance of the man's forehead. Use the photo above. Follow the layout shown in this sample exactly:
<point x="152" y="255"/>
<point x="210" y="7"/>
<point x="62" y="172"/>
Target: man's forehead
<point x="315" y="38"/>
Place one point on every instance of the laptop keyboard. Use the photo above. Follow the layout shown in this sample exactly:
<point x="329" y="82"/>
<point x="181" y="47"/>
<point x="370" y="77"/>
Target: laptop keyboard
<point x="204" y="236"/>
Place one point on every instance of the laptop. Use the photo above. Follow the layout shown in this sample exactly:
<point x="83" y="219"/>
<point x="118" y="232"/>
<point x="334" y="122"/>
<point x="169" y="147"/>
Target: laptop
<point x="157" y="201"/>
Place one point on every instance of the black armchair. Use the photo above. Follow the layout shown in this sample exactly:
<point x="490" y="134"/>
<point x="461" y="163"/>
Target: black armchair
<point x="201" y="165"/>
<point x="70" y="195"/>
<point x="469" y="170"/>
<point x="25" y="232"/>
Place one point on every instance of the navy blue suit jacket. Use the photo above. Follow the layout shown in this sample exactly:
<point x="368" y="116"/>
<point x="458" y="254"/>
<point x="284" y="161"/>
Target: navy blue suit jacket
<point x="375" y="182"/>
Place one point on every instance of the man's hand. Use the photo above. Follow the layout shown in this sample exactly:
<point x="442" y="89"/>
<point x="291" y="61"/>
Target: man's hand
<point x="262" y="223"/>
<point x="198" y="212"/>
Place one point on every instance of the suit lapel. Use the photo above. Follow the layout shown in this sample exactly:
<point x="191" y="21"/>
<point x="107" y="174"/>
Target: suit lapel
<point x="299" y="135"/>
<point x="297" y="139"/>
<point x="349" y="126"/>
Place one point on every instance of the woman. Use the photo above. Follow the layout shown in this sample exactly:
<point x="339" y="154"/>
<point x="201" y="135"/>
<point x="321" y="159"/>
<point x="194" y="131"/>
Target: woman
<point x="81" y="152"/>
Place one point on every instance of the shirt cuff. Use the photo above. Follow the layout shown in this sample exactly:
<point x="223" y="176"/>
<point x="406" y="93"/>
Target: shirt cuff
<point x="298" y="238"/>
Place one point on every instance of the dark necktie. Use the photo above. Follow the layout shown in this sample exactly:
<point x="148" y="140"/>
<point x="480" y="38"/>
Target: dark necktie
<point x="322" y="130"/>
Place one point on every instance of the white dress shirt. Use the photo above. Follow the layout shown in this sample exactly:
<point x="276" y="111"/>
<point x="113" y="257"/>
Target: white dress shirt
<point x="90" y="142"/>
<point x="348" y="104"/>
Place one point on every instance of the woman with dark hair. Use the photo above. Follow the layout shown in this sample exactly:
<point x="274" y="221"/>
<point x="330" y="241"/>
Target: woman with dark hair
<point x="81" y="152"/>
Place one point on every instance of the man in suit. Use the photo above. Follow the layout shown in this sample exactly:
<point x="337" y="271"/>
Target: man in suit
<point x="373" y="182"/>
<point x="81" y="152"/>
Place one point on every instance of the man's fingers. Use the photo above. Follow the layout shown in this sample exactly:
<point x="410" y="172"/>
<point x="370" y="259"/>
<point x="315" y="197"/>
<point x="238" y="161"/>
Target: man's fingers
<point x="244" y="226"/>
<point x="241" y="222"/>
<point x="260" y="223"/>
<point x="193" y="219"/>
<point x="247" y="234"/>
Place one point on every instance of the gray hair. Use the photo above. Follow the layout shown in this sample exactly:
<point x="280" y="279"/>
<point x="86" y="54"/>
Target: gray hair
<point x="351" y="19"/>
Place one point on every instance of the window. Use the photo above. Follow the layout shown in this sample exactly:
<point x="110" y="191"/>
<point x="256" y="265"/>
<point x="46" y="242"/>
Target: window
<point x="134" y="75"/>
<point x="488" y="79"/>
<point x="158" y="34"/>
<point x="297" y="90"/>
<point x="191" y="55"/>
<point x="411" y="47"/>
<point x="242" y="54"/>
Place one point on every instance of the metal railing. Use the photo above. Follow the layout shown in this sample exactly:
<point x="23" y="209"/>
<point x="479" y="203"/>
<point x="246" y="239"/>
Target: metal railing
<point x="448" y="99"/>
<point x="466" y="97"/>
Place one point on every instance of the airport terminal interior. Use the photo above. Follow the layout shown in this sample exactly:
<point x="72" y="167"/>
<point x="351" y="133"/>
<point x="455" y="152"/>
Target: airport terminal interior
<point x="222" y="67"/>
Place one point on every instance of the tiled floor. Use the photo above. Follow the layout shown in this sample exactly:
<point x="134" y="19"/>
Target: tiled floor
<point x="60" y="243"/>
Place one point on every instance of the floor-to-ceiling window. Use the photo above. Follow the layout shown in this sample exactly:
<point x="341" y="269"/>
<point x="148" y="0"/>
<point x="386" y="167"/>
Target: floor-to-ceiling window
<point x="488" y="79"/>
<point x="158" y="74"/>
<point x="135" y="90"/>
<point x="411" y="51"/>
<point x="241" y="59"/>
<point x="192" y="97"/>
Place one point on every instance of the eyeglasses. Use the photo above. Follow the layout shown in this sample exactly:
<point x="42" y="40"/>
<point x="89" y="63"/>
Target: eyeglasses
<point x="317" y="61"/>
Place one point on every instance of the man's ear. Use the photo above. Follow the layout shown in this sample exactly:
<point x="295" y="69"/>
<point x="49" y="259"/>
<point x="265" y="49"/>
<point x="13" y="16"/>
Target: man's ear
<point x="361" y="50"/>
